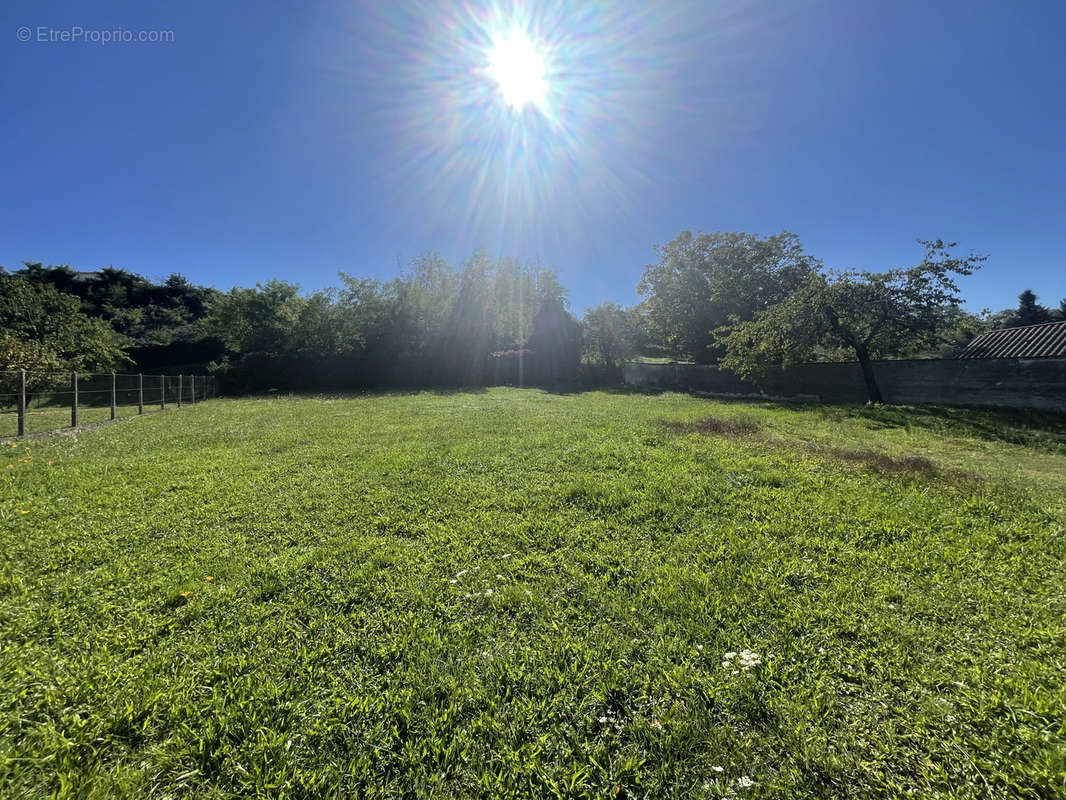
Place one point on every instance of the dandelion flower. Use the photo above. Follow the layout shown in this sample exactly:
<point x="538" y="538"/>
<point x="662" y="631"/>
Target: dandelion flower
<point x="186" y="593"/>
<point x="210" y="577"/>
<point x="23" y="511"/>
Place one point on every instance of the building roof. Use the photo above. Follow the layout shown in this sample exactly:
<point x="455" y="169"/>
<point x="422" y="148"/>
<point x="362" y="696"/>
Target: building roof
<point x="1047" y="340"/>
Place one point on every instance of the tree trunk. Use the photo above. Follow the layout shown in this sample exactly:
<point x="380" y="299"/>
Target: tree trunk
<point x="868" y="375"/>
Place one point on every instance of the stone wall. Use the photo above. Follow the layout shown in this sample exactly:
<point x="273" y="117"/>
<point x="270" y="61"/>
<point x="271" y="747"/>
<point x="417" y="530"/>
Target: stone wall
<point x="995" y="382"/>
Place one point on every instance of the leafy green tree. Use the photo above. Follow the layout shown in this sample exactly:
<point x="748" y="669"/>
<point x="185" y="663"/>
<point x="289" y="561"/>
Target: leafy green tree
<point x="958" y="329"/>
<point x="260" y="320"/>
<point x="43" y="329"/>
<point x="151" y="315"/>
<point x="611" y="334"/>
<point x="701" y="282"/>
<point x="873" y="315"/>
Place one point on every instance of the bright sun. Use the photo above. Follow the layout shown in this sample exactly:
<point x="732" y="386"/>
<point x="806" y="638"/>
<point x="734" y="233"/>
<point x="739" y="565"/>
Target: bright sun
<point x="518" y="70"/>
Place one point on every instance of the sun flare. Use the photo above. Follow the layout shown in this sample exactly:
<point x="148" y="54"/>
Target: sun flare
<point x="518" y="70"/>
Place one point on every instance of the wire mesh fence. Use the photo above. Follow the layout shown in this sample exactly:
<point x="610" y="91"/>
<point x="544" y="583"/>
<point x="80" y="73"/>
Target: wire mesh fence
<point x="38" y="402"/>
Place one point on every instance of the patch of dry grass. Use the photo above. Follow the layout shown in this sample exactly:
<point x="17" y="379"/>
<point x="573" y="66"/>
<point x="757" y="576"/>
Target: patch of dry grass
<point x="716" y="426"/>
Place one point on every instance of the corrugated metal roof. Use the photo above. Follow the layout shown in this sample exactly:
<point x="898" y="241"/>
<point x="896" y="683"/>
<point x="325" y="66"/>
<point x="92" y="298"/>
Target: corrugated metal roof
<point x="1047" y="340"/>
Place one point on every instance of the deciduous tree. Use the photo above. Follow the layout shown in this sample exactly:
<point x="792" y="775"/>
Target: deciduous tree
<point x="701" y="282"/>
<point x="872" y="314"/>
<point x="611" y="334"/>
<point x="43" y="329"/>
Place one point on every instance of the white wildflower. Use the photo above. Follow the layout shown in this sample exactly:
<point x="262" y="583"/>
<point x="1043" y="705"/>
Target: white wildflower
<point x="748" y="659"/>
<point x="488" y="593"/>
<point x="744" y="782"/>
<point x="603" y="720"/>
<point x="718" y="769"/>
<point x="499" y="577"/>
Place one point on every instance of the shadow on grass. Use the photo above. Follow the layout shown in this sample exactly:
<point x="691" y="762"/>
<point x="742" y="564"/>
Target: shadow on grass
<point x="1045" y="429"/>
<point x="870" y="460"/>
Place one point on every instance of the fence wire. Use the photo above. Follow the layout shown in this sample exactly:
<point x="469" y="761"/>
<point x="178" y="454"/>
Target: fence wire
<point x="39" y="401"/>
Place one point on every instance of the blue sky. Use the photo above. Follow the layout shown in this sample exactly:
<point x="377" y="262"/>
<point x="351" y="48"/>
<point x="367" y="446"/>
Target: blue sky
<point x="294" y="140"/>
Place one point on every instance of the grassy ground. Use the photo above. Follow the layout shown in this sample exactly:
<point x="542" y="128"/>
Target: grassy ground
<point x="515" y="593"/>
<point x="42" y="420"/>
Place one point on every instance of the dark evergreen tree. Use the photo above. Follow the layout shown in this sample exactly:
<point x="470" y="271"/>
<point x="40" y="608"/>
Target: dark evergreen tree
<point x="1029" y="311"/>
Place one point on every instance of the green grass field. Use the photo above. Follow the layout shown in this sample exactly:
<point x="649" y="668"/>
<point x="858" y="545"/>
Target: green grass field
<point x="513" y="593"/>
<point x="43" y="420"/>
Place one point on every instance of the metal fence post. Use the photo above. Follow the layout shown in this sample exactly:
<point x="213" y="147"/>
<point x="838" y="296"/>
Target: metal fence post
<point x="22" y="402"/>
<point x="192" y="388"/>
<point x="113" y="409"/>
<point x="179" y="391"/>
<point x="74" y="400"/>
<point x="162" y="392"/>
<point x="140" y="393"/>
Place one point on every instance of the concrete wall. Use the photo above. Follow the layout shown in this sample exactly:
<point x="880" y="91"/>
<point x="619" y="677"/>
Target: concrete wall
<point x="995" y="382"/>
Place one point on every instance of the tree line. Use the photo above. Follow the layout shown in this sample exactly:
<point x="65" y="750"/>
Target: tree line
<point x="745" y="302"/>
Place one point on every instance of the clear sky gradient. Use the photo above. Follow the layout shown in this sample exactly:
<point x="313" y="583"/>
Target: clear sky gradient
<point x="294" y="140"/>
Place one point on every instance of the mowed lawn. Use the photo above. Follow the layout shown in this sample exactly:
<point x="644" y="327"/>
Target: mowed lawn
<point x="514" y="593"/>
